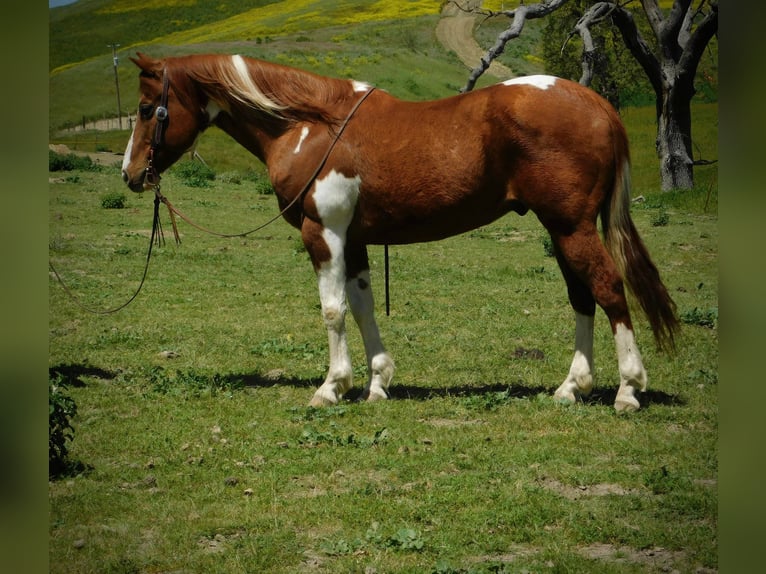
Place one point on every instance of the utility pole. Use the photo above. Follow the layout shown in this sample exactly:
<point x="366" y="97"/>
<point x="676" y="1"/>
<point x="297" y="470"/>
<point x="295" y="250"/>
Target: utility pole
<point x="116" y="82"/>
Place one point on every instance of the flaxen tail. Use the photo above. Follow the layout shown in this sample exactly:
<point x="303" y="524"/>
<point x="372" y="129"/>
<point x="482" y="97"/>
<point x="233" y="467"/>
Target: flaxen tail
<point x="633" y="261"/>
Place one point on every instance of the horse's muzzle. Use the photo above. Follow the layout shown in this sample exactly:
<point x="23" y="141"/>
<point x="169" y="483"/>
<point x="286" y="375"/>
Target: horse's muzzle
<point x="137" y="184"/>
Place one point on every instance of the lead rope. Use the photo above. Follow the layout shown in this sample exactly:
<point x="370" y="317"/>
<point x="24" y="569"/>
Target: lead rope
<point x="173" y="209"/>
<point x="156" y="235"/>
<point x="157" y="232"/>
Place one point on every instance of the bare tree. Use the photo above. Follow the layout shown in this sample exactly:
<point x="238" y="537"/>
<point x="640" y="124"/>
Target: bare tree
<point x="682" y="35"/>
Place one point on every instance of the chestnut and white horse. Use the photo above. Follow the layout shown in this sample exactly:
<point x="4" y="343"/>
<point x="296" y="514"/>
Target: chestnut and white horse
<point x="354" y="166"/>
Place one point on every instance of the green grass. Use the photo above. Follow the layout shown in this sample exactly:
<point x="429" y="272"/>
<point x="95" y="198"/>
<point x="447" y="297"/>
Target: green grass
<point x="210" y="462"/>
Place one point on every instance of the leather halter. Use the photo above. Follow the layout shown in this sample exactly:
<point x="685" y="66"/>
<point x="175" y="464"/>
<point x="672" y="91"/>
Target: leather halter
<point x="161" y="114"/>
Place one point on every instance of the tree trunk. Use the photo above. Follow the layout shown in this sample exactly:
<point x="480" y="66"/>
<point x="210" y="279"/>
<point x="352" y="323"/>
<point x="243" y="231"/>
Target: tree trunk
<point x="674" y="139"/>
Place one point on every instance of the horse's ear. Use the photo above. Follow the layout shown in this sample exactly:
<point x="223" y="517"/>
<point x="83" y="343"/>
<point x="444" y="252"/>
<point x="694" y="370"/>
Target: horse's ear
<point x="148" y="65"/>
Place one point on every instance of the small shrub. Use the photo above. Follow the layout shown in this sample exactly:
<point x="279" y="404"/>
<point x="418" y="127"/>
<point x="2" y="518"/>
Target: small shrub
<point x="61" y="409"/>
<point x="548" y="246"/>
<point x="191" y="383"/>
<point x="262" y="185"/>
<point x="113" y="200"/>
<point x="701" y="317"/>
<point x="194" y="173"/>
<point x="70" y="162"/>
<point x="229" y="177"/>
<point x="661" y="219"/>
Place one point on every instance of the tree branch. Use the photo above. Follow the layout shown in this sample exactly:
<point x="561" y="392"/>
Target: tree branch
<point x="519" y="16"/>
<point x="698" y="41"/>
<point x="635" y="42"/>
<point x="594" y="15"/>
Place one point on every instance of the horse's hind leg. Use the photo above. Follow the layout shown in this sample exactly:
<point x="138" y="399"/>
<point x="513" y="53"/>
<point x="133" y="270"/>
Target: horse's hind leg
<point x="579" y="381"/>
<point x="585" y="255"/>
<point x="380" y="366"/>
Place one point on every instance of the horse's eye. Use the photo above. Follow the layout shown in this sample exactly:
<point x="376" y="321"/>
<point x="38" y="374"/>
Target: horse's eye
<point x="146" y="111"/>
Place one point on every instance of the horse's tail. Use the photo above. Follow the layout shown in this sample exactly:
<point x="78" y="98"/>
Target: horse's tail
<point x="632" y="258"/>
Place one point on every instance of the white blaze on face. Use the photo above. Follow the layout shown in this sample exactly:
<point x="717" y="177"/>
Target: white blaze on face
<point x="539" y="81"/>
<point x="128" y="153"/>
<point x="304" y="134"/>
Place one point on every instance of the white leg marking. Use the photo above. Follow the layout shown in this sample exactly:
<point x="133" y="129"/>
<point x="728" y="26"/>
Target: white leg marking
<point x="539" y="81"/>
<point x="304" y="133"/>
<point x="380" y="365"/>
<point x="632" y="373"/>
<point x="335" y="197"/>
<point x="579" y="381"/>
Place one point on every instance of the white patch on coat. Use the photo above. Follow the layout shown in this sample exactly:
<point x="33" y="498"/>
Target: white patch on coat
<point x="540" y="81"/>
<point x="360" y="86"/>
<point x="212" y="110"/>
<point x="304" y="133"/>
<point x="335" y="197"/>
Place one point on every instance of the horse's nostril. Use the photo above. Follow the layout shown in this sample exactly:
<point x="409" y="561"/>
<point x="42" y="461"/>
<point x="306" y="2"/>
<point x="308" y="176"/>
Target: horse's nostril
<point x="125" y="176"/>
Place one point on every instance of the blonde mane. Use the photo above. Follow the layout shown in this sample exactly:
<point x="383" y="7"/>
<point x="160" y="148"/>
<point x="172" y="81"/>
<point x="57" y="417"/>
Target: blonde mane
<point x="281" y="92"/>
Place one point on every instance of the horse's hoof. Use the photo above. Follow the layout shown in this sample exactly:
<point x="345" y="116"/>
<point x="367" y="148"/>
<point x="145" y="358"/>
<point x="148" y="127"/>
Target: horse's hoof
<point x="565" y="398"/>
<point x="318" y="401"/>
<point x="627" y="405"/>
<point x="375" y="396"/>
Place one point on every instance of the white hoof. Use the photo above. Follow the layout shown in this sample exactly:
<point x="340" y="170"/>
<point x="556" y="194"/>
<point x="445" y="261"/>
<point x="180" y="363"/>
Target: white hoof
<point x="626" y="404"/>
<point x="377" y="396"/>
<point x="323" y="398"/>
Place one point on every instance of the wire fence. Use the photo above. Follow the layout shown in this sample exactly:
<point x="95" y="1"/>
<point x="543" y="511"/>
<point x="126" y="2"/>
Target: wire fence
<point x="103" y="124"/>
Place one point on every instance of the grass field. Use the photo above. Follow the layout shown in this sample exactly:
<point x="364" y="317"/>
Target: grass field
<point x="210" y="462"/>
<point x="193" y="450"/>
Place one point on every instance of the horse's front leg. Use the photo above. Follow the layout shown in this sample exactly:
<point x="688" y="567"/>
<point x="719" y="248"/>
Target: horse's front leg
<point x="325" y="246"/>
<point x="380" y="365"/>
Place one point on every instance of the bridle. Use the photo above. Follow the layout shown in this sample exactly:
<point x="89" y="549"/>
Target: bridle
<point x="161" y="114"/>
<point x="153" y="178"/>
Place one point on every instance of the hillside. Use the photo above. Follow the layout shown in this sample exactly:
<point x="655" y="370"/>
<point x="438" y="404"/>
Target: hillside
<point x="392" y="44"/>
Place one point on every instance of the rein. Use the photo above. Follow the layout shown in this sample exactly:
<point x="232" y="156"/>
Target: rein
<point x="153" y="177"/>
<point x="174" y="210"/>
<point x="156" y="235"/>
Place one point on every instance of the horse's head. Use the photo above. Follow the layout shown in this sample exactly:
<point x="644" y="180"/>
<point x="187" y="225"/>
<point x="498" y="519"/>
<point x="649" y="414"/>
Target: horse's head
<point x="170" y="117"/>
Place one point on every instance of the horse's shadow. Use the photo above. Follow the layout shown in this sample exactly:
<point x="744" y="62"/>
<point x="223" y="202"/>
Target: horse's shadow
<point x="519" y="390"/>
<point x="72" y="375"/>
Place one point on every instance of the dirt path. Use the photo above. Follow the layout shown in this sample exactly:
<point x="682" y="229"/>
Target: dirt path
<point x="455" y="32"/>
<point x="100" y="157"/>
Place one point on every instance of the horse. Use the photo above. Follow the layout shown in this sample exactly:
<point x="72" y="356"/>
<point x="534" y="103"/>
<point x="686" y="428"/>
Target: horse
<point x="352" y="166"/>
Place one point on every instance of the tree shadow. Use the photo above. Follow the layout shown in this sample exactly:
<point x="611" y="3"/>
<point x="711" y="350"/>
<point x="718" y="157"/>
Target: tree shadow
<point x="72" y="373"/>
